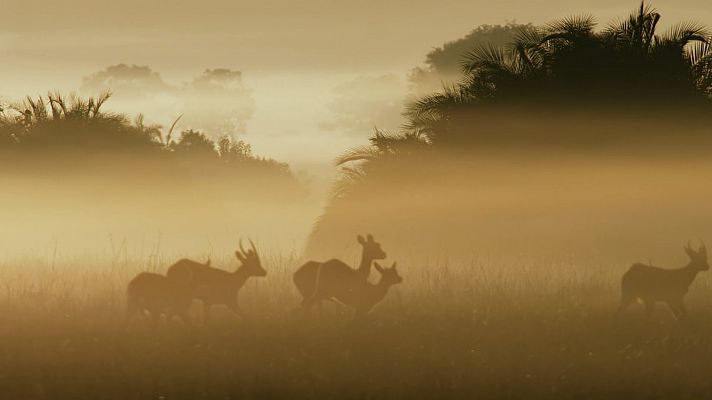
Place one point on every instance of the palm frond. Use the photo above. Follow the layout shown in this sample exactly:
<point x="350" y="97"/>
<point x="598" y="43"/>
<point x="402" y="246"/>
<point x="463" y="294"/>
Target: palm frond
<point x="637" y="31"/>
<point x="699" y="52"/>
<point x="170" y="130"/>
<point x="575" y="25"/>
<point x="360" y="153"/>
<point x="487" y="57"/>
<point x="686" y="32"/>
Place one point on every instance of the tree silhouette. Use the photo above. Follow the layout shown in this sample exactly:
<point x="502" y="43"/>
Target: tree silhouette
<point x="129" y="81"/>
<point x="217" y="101"/>
<point x="562" y="86"/>
<point x="627" y="66"/>
<point x="73" y="124"/>
<point x="443" y="64"/>
<point x="57" y="128"/>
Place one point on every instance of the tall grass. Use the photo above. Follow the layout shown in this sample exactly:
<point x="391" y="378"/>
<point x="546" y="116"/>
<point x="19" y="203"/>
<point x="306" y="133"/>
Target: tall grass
<point x="482" y="328"/>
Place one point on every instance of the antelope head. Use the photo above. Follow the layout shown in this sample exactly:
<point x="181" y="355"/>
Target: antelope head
<point x="250" y="261"/>
<point x="698" y="259"/>
<point x="371" y="249"/>
<point x="389" y="276"/>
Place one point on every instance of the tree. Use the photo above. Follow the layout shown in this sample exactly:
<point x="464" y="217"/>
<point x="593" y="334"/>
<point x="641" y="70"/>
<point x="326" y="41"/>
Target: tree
<point x="218" y="101"/>
<point x="444" y="63"/>
<point x="565" y="85"/>
<point x="566" y="65"/>
<point x="194" y="144"/>
<point x="365" y="102"/>
<point x="131" y="82"/>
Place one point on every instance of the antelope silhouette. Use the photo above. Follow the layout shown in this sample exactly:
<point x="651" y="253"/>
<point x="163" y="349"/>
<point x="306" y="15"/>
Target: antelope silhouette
<point x="215" y="286"/>
<point x="347" y="286"/>
<point x="652" y="284"/>
<point x="158" y="295"/>
<point x="306" y="276"/>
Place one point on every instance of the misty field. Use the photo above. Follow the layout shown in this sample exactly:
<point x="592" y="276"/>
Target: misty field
<point x="483" y="328"/>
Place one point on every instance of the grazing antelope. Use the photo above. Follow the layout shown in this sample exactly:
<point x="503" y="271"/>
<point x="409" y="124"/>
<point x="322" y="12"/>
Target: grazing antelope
<point x="347" y="286"/>
<point x="158" y="295"/>
<point x="215" y="286"/>
<point x="652" y="284"/>
<point x="305" y="277"/>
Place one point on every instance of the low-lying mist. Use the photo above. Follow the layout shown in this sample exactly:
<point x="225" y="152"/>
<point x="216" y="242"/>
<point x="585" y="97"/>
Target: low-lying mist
<point x="523" y="205"/>
<point x="193" y="209"/>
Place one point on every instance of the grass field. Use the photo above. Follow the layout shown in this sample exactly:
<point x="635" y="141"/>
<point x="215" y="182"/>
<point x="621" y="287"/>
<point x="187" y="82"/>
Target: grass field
<point x="481" y="329"/>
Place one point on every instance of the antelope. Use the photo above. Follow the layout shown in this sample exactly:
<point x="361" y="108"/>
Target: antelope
<point x="158" y="295"/>
<point x="306" y="276"/>
<point x="346" y="285"/>
<point x="215" y="286"/>
<point x="652" y="284"/>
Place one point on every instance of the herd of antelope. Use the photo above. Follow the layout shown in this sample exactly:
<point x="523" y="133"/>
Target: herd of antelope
<point x="172" y="294"/>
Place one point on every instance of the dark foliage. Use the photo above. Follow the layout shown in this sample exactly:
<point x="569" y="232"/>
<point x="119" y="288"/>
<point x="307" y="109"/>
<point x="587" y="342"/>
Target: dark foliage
<point x="443" y="64"/>
<point x="57" y="131"/>
<point x="625" y="89"/>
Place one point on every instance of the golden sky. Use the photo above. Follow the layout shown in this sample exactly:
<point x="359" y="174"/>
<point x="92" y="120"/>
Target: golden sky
<point x="268" y="35"/>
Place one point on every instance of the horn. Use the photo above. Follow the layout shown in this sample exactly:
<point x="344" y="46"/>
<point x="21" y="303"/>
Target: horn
<point x="254" y="250"/>
<point x="242" y="249"/>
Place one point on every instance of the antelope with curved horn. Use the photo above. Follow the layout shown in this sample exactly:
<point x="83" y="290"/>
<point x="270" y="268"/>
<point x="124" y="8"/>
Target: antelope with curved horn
<point x="218" y="287"/>
<point x="652" y="284"/>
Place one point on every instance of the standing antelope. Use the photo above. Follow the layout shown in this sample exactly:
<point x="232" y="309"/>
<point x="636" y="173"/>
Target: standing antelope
<point x="214" y="286"/>
<point x="306" y="276"/>
<point x="346" y="285"/>
<point x="652" y="284"/>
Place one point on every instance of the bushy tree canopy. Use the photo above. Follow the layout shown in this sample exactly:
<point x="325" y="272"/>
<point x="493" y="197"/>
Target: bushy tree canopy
<point x="444" y="63"/>
<point x="56" y="126"/>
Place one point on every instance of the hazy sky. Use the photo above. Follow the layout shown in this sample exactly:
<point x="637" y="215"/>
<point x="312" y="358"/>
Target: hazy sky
<point x="293" y="53"/>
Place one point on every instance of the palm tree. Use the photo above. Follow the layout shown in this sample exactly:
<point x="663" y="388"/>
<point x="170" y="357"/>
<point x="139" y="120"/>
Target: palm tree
<point x="568" y="63"/>
<point x="625" y="81"/>
<point x="626" y="69"/>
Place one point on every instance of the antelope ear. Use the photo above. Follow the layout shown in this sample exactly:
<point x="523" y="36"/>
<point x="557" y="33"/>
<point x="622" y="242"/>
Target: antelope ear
<point x="690" y="253"/>
<point x="370" y="238"/>
<point x="394" y="265"/>
<point x="378" y="267"/>
<point x="360" y="239"/>
<point x="207" y="263"/>
<point x="240" y="256"/>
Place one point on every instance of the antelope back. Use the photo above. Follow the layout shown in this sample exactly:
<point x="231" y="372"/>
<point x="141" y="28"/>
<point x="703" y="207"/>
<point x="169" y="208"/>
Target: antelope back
<point x="188" y="273"/>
